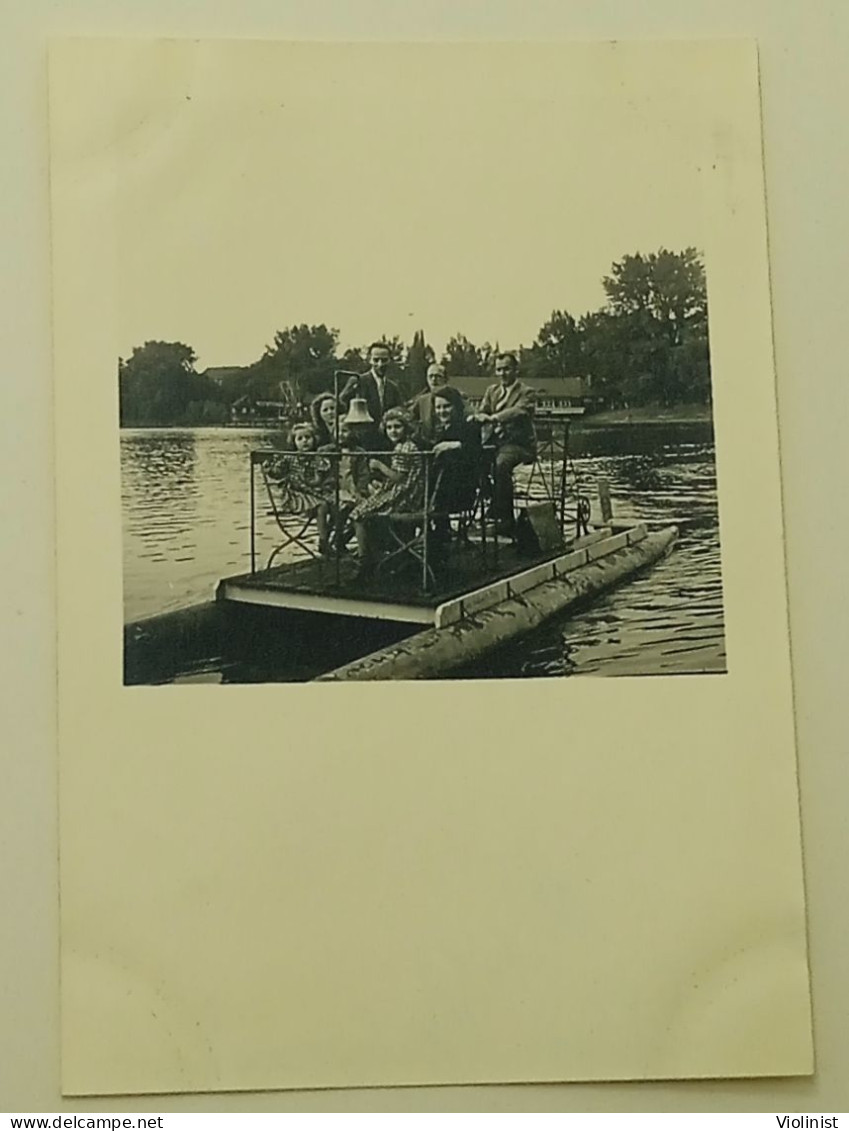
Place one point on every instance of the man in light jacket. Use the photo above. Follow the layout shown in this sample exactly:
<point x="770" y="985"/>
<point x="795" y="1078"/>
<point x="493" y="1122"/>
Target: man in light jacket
<point x="506" y="413"/>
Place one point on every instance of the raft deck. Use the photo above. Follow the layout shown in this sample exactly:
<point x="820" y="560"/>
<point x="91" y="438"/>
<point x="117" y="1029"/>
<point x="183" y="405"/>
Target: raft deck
<point x="465" y="584"/>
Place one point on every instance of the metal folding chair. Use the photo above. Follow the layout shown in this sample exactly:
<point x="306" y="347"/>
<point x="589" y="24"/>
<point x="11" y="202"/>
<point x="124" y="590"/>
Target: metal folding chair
<point x="299" y="527"/>
<point x="410" y="535"/>
<point x="553" y="480"/>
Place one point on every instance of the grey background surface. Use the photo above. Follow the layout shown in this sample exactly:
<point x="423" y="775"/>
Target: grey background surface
<point x="805" y="90"/>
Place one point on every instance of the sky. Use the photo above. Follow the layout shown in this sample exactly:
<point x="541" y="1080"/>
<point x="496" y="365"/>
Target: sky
<point x="383" y="189"/>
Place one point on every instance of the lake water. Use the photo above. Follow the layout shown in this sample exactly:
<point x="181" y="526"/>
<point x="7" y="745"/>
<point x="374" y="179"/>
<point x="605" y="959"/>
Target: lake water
<point x="186" y="523"/>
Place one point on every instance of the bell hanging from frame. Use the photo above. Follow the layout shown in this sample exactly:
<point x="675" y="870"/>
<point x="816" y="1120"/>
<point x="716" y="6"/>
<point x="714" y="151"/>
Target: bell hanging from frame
<point x="358" y="412"/>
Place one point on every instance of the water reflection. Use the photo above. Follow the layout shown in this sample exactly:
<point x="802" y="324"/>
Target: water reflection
<point x="669" y="619"/>
<point x="187" y="524"/>
<point x="186" y="513"/>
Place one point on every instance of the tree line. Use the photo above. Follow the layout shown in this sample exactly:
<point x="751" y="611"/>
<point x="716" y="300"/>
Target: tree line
<point x="647" y="345"/>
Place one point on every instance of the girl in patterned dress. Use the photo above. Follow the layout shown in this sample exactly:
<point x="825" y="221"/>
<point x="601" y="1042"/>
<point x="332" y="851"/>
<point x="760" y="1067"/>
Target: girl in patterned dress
<point x="349" y="464"/>
<point x="303" y="485"/>
<point x="402" y="489"/>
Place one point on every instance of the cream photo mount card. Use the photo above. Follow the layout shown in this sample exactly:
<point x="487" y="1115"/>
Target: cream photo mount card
<point x="444" y="370"/>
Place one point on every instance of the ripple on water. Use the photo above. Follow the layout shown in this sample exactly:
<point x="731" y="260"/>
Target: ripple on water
<point x="185" y="510"/>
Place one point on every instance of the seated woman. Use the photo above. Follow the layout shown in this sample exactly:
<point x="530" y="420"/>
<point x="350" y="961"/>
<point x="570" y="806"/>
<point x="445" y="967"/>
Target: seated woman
<point x="457" y="456"/>
<point x="402" y="488"/>
<point x="303" y="483"/>
<point x="421" y="407"/>
<point x="323" y="409"/>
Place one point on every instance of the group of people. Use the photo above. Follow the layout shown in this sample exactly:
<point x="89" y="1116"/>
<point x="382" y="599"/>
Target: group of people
<point x="378" y="444"/>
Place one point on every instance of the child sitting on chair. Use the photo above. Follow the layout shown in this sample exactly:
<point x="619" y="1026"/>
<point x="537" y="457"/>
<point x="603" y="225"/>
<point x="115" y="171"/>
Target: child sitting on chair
<point x="352" y="469"/>
<point x="303" y="482"/>
<point x="402" y="488"/>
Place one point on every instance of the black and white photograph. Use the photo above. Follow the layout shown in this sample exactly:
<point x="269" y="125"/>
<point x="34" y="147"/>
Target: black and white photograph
<point x="445" y="368"/>
<point x="430" y="399"/>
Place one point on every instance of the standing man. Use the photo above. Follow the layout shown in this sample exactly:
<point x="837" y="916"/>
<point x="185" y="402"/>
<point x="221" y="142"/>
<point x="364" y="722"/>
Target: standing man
<point x="376" y="388"/>
<point x="506" y="413"/>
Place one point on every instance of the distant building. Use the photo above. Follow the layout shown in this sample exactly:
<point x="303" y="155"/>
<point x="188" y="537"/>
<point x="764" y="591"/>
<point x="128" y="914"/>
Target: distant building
<point x="559" y="396"/>
<point x="218" y="374"/>
<point x="246" y="410"/>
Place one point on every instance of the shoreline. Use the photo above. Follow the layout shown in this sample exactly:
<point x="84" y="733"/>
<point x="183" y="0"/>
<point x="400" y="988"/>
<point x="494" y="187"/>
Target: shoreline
<point x="643" y="414"/>
<point x="649" y="414"/>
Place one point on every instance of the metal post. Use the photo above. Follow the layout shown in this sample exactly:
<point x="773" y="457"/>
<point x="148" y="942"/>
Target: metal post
<point x="337" y="523"/>
<point x="253" y="517"/>
<point x="482" y="498"/>
<point x="552" y="455"/>
<point x="604" y="501"/>
<point x="336" y="399"/>
<point x="426" y="521"/>
<point x="563" y="465"/>
<point x="492" y="471"/>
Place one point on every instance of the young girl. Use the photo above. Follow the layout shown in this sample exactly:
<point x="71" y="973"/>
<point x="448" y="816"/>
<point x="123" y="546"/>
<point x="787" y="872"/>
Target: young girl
<point x="402" y="490"/>
<point x="351" y="467"/>
<point x="303" y="482"/>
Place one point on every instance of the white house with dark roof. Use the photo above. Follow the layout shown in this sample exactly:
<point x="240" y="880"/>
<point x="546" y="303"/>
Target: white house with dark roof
<point x="559" y="396"/>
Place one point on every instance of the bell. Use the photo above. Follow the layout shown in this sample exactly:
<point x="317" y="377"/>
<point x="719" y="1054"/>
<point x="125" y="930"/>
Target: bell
<point x="358" y="412"/>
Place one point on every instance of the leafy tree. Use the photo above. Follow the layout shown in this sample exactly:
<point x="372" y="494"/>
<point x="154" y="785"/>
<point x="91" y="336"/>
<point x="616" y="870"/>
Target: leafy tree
<point x="214" y="412"/>
<point x="559" y="340"/>
<point x="657" y="308"/>
<point x="206" y="413"/>
<point x="419" y="357"/>
<point x="599" y="353"/>
<point x="299" y="363"/>
<point x="668" y="286"/>
<point x="558" y="349"/>
<point x="690" y="369"/>
<point x="487" y="354"/>
<point x="611" y="356"/>
<point x="353" y="360"/>
<point x="462" y="358"/>
<point x="233" y="386"/>
<point x="649" y="344"/>
<point x="158" y="383"/>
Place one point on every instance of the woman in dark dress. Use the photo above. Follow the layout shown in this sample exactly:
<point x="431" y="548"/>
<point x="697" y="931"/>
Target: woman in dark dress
<point x="323" y="411"/>
<point x="457" y="456"/>
<point x="421" y="407"/>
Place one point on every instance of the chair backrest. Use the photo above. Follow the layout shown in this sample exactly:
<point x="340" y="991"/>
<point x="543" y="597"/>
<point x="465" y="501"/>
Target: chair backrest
<point x="286" y="495"/>
<point x="415" y="514"/>
<point x="480" y="482"/>
<point x="269" y="492"/>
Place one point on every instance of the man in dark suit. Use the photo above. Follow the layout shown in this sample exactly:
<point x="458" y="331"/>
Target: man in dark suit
<point x="506" y="413"/>
<point x="376" y="388"/>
